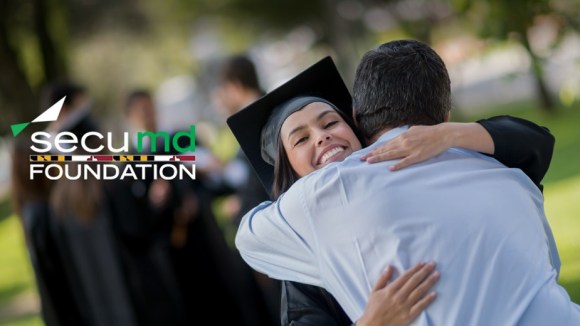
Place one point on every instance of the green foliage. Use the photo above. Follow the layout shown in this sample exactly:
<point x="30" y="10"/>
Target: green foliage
<point x="513" y="20"/>
<point x="511" y="16"/>
<point x="498" y="18"/>
<point x="564" y="126"/>
<point x="281" y="15"/>
<point x="5" y="208"/>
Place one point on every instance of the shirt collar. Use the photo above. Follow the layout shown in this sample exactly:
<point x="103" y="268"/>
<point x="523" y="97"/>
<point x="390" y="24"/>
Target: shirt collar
<point x="390" y="135"/>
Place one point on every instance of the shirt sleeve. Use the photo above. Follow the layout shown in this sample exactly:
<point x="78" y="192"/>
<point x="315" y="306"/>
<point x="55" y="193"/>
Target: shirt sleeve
<point x="276" y="239"/>
<point x="521" y="144"/>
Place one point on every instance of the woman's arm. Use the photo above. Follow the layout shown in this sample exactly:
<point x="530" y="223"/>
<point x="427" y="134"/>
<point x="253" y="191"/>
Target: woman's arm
<point x="515" y="142"/>
<point x="521" y="144"/>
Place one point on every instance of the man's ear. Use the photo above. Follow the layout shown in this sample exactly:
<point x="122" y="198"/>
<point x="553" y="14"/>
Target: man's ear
<point x="447" y="117"/>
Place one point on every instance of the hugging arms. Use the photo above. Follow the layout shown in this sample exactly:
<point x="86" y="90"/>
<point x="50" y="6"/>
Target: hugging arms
<point x="516" y="142"/>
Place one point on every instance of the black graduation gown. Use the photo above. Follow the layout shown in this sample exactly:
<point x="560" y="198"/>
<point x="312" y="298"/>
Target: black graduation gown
<point x="141" y="235"/>
<point x="93" y="269"/>
<point x="58" y="307"/>
<point x="210" y="274"/>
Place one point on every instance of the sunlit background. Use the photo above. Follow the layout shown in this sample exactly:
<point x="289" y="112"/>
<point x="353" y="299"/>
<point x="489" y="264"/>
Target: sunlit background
<point x="517" y="57"/>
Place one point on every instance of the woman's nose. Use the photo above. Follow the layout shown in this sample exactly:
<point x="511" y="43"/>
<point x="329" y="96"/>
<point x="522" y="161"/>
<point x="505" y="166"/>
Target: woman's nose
<point x="323" y="137"/>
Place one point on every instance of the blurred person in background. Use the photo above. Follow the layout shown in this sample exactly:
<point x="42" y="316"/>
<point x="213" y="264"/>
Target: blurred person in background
<point x="239" y="86"/>
<point x="208" y="273"/>
<point x="112" y="270"/>
<point x="30" y="203"/>
<point x="80" y="224"/>
<point x="75" y="115"/>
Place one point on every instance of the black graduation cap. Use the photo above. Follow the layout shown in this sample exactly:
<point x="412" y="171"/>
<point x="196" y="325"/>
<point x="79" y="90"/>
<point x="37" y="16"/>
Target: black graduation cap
<point x="321" y="80"/>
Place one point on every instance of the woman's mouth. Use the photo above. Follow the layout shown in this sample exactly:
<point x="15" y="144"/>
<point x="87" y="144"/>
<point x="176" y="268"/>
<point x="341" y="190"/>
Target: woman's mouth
<point x="330" y="154"/>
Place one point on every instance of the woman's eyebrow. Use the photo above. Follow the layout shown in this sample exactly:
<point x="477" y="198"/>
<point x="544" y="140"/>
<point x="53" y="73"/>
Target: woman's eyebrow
<point x="320" y="116"/>
<point x="295" y="130"/>
<point x="323" y="113"/>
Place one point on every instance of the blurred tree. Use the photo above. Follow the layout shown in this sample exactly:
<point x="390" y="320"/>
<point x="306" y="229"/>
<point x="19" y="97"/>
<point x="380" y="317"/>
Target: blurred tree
<point x="18" y="20"/>
<point x="35" y="39"/>
<point x="340" y="33"/>
<point x="345" y="26"/>
<point x="514" y="19"/>
<point x="419" y="18"/>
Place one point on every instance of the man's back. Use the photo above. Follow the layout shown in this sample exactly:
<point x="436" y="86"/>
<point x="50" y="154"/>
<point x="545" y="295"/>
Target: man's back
<point x="481" y="223"/>
<point x="476" y="219"/>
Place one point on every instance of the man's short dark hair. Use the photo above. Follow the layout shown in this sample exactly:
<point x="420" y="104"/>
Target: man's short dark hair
<point x="240" y="69"/>
<point x="400" y="83"/>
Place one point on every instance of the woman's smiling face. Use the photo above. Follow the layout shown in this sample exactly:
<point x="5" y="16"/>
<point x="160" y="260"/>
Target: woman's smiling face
<point x="315" y="136"/>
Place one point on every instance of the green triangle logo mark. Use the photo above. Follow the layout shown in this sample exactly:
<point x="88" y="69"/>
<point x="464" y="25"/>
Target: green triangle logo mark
<point x="17" y="128"/>
<point x="49" y="115"/>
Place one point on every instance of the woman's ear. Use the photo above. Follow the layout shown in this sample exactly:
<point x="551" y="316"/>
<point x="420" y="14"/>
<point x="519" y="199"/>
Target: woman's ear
<point x="354" y="118"/>
<point x="447" y="116"/>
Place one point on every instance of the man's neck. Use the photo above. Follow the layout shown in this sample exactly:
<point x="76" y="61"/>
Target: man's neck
<point x="378" y="135"/>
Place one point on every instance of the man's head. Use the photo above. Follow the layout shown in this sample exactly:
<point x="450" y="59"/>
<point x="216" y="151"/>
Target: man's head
<point x="238" y="84"/>
<point x="400" y="83"/>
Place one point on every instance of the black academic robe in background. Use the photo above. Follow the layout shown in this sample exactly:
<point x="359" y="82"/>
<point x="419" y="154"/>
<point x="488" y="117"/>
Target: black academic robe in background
<point x="211" y="275"/>
<point x="93" y="269"/>
<point x="58" y="307"/>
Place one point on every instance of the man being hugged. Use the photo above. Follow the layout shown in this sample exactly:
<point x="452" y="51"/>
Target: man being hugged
<point x="339" y="226"/>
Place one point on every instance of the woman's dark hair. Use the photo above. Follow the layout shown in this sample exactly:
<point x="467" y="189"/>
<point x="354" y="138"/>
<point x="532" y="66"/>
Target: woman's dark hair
<point x="83" y="198"/>
<point x="284" y="174"/>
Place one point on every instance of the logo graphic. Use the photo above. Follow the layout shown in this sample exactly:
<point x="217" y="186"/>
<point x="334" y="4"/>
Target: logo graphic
<point x="49" y="115"/>
<point x="73" y="157"/>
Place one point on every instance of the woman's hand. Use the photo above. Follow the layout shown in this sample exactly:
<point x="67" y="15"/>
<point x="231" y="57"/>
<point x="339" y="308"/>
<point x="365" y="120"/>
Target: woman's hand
<point x="413" y="146"/>
<point x="401" y="301"/>
<point x="420" y="143"/>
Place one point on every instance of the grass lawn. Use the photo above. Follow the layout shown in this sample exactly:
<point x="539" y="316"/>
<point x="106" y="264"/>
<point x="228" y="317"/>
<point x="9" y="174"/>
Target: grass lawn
<point x="562" y="206"/>
<point x="16" y="276"/>
<point x="562" y="203"/>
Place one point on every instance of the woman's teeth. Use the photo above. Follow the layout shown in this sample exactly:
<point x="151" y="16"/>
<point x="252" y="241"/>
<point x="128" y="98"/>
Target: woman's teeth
<point x="330" y="154"/>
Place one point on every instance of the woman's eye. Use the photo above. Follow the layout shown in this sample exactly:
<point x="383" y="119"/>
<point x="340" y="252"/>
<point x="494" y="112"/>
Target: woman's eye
<point x="330" y="124"/>
<point x="300" y="140"/>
